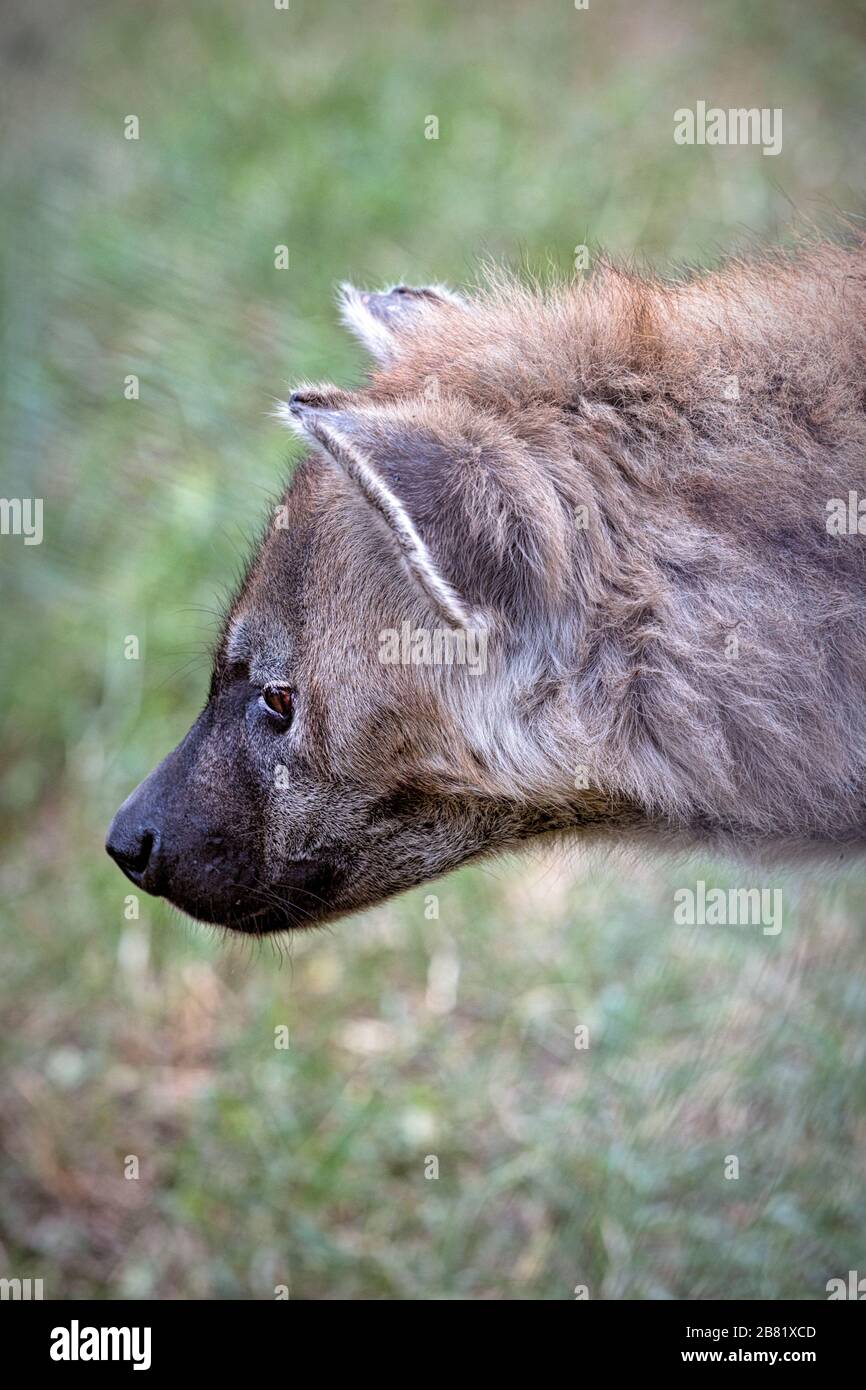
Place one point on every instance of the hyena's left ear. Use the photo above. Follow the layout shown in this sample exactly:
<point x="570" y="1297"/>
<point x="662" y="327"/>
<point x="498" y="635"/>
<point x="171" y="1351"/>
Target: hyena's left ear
<point x="381" y="320"/>
<point x="329" y="422"/>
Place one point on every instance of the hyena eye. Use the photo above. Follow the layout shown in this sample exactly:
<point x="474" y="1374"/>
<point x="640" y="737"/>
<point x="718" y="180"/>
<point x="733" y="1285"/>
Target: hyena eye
<point x="280" y="701"/>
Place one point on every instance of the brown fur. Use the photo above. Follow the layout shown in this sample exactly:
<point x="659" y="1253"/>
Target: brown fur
<point x="491" y="423"/>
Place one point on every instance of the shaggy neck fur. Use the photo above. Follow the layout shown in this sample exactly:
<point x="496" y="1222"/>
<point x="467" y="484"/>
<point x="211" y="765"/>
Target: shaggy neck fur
<point x="702" y="644"/>
<point x="633" y="480"/>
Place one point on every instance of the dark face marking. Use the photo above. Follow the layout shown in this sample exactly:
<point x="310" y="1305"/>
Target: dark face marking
<point x="261" y="825"/>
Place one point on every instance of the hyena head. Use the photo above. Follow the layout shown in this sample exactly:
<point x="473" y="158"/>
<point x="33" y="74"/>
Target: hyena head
<point x="374" y="716"/>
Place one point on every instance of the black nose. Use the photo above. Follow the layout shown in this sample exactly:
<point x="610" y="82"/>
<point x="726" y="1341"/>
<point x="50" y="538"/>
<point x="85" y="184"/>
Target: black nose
<point x="133" y="848"/>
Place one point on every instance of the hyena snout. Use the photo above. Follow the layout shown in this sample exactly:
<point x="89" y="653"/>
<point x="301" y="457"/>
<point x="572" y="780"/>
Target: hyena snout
<point x="189" y="834"/>
<point x="171" y="843"/>
<point x="156" y="830"/>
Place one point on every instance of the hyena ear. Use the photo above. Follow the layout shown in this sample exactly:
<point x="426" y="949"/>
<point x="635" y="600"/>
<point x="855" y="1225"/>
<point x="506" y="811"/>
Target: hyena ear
<point x="320" y="420"/>
<point x="381" y="320"/>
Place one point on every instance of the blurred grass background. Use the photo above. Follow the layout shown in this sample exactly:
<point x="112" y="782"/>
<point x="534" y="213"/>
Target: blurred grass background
<point x="409" y="1037"/>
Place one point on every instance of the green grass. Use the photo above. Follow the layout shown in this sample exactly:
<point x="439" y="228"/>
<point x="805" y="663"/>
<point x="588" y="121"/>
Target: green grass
<point x="409" y="1037"/>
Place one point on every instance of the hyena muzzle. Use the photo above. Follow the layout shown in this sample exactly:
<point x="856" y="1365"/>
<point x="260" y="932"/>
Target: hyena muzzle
<point x="585" y="559"/>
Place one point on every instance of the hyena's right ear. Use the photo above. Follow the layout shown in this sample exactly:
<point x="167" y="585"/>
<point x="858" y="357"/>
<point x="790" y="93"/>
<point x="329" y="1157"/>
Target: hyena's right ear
<point x="381" y="320"/>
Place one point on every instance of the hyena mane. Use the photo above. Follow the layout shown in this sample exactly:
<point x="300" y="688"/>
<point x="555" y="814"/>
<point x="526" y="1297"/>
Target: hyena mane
<point x="640" y="476"/>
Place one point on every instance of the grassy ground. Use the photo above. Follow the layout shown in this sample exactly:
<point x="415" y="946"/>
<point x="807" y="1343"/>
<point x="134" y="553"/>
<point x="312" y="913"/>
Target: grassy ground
<point x="411" y="1038"/>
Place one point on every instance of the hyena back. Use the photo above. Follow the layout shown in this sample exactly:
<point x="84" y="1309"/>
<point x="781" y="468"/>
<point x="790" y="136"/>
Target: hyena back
<point x="636" y="503"/>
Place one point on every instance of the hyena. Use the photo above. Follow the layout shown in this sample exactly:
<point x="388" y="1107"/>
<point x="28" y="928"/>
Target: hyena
<point x="640" y="499"/>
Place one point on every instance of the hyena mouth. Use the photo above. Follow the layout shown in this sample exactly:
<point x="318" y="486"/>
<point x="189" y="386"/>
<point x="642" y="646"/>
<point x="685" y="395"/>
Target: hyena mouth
<point x="200" y="878"/>
<point x="303" y="898"/>
<point x="283" y="908"/>
<point x="263" y="922"/>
